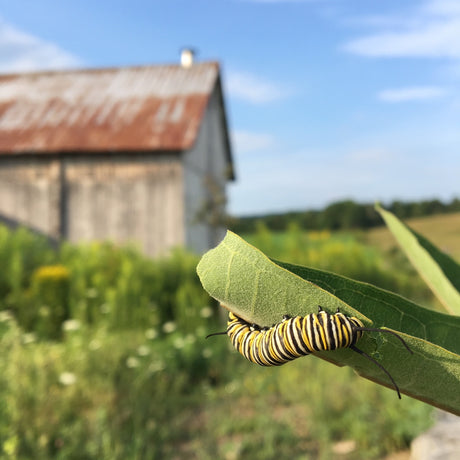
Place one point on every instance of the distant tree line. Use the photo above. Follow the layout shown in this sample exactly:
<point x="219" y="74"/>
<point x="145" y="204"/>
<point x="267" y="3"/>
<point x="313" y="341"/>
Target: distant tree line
<point x="344" y="215"/>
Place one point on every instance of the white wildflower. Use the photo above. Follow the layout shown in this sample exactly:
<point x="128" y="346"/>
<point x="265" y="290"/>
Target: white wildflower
<point x="156" y="366"/>
<point x="132" y="362"/>
<point x="206" y="312"/>
<point x="28" y="337"/>
<point x="67" y="378"/>
<point x="190" y="339"/>
<point x="231" y="387"/>
<point x="71" y="325"/>
<point x="151" y="334"/>
<point x="169" y="327"/>
<point x="105" y="308"/>
<point x="143" y="350"/>
<point x="44" y="311"/>
<point x="91" y="293"/>
<point x="94" y="344"/>
<point x="179" y="343"/>
<point x="5" y="316"/>
<point x="206" y="353"/>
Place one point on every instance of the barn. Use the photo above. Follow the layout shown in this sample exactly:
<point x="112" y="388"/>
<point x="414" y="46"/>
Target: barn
<point x="137" y="154"/>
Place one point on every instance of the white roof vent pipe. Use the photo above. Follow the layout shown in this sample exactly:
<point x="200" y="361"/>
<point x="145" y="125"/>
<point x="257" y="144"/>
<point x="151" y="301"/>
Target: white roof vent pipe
<point x="187" y="56"/>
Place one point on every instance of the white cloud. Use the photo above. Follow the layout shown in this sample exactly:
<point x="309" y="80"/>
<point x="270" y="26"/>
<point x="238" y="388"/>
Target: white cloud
<point x="432" y="40"/>
<point x="252" y="88"/>
<point x="371" y="156"/>
<point x="22" y="52"/>
<point x="413" y="93"/>
<point x="442" y="7"/>
<point x="247" y="141"/>
<point x="431" y="31"/>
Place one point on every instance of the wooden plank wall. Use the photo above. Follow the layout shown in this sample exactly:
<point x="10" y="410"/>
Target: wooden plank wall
<point x="30" y="193"/>
<point x="126" y="199"/>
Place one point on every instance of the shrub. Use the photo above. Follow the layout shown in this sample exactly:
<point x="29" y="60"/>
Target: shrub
<point x="46" y="305"/>
<point x="21" y="252"/>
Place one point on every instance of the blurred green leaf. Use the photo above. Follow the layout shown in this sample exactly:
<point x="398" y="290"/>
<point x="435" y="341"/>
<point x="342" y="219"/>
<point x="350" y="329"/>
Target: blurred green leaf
<point x="261" y="291"/>
<point x="440" y="272"/>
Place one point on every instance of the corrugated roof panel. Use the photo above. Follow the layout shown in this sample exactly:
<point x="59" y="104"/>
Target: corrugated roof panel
<point x="139" y="108"/>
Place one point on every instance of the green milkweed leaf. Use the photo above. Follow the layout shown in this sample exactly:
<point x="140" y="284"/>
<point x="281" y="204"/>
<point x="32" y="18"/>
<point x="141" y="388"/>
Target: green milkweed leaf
<point x="261" y="291"/>
<point x="440" y="272"/>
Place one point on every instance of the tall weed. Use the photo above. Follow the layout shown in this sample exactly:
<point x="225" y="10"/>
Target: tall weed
<point x="106" y="285"/>
<point x="21" y="252"/>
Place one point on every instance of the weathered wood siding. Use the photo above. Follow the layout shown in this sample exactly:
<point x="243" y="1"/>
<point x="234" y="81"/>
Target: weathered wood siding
<point x="126" y="198"/>
<point x="30" y="193"/>
<point x="123" y="198"/>
<point x="205" y="176"/>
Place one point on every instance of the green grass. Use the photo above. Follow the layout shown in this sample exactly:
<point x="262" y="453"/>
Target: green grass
<point x="100" y="395"/>
<point x="132" y="376"/>
<point x="443" y="230"/>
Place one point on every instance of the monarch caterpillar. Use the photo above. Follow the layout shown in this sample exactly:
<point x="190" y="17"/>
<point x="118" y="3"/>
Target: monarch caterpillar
<point x="300" y="336"/>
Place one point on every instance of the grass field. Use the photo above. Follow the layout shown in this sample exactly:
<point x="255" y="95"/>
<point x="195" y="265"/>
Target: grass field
<point x="134" y="377"/>
<point x="443" y="230"/>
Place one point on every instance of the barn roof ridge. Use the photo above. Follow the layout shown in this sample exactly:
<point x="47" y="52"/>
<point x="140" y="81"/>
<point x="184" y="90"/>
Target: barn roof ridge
<point x="107" y="68"/>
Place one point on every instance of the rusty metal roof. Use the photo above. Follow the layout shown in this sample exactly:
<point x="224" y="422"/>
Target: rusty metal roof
<point x="120" y="109"/>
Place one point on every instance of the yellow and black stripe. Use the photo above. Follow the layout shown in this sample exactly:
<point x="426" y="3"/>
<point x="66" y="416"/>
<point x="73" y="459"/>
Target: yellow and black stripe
<point x="293" y="337"/>
<point x="299" y="336"/>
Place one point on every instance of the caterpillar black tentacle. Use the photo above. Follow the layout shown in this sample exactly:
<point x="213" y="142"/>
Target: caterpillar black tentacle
<point x="216" y="333"/>
<point x="298" y="336"/>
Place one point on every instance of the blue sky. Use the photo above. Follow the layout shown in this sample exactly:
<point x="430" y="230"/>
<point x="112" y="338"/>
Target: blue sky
<point x="327" y="99"/>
